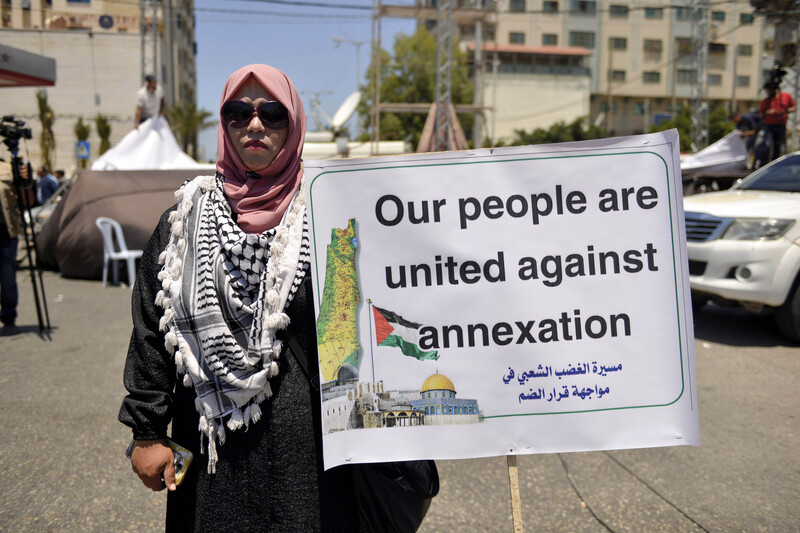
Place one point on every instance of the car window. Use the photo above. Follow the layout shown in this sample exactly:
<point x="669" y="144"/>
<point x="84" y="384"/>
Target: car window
<point x="784" y="175"/>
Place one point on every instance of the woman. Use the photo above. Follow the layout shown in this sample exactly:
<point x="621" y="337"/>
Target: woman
<point x="226" y="269"/>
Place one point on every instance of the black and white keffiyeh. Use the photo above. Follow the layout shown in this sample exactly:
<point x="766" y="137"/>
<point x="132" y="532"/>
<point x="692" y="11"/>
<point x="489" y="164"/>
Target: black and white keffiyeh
<point x="224" y="293"/>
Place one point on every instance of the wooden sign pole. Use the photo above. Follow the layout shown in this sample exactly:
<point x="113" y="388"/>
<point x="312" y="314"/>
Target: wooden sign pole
<point x="513" y="485"/>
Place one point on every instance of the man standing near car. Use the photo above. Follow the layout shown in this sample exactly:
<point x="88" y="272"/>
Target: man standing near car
<point x="748" y="124"/>
<point x="775" y="109"/>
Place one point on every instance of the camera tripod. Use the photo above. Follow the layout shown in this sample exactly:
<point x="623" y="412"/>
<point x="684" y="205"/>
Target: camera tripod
<point x="25" y="192"/>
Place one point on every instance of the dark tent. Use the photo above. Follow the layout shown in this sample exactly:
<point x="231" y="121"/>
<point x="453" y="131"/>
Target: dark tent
<point x="71" y="243"/>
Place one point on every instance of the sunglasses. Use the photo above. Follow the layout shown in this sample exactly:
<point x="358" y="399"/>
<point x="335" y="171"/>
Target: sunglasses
<point x="238" y="114"/>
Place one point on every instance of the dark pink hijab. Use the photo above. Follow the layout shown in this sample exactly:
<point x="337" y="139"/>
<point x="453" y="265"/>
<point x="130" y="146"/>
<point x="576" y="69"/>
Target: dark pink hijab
<point x="261" y="202"/>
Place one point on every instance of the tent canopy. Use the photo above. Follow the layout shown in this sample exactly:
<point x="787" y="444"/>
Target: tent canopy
<point x="71" y="243"/>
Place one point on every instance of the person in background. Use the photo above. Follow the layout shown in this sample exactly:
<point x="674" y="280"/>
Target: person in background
<point x="223" y="288"/>
<point x="46" y="185"/>
<point x="774" y="110"/>
<point x="10" y="228"/>
<point x="748" y="124"/>
<point x="59" y="174"/>
<point x="149" y="100"/>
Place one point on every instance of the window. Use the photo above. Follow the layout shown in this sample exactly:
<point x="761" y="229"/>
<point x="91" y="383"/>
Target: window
<point x="516" y="6"/>
<point x="585" y="7"/>
<point x="653" y="46"/>
<point x="550" y="6"/>
<point x="616" y="75"/>
<point x="686" y="76"/>
<point x="581" y="38"/>
<point x="746" y="18"/>
<point x="654" y="12"/>
<point x="684" y="45"/>
<point x="714" y="79"/>
<point x="639" y="108"/>
<point x="516" y="37"/>
<point x="617" y="11"/>
<point x="716" y="48"/>
<point x="682" y="13"/>
<point x="549" y="39"/>
<point x="718" y="16"/>
<point x="743" y="81"/>
<point x="619" y="43"/>
<point x="651" y="77"/>
<point x="604" y="107"/>
<point x="744" y="50"/>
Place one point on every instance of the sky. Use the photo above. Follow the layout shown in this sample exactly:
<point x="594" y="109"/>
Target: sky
<point x="292" y="36"/>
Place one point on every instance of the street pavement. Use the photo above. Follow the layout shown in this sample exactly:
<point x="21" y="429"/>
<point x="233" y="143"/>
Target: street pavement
<point x="62" y="466"/>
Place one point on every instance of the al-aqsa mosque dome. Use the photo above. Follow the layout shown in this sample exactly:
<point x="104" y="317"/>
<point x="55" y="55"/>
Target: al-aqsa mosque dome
<point x="438" y="382"/>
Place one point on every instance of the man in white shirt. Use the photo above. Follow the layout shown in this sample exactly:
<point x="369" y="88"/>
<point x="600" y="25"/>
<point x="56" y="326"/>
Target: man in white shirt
<point x="149" y="100"/>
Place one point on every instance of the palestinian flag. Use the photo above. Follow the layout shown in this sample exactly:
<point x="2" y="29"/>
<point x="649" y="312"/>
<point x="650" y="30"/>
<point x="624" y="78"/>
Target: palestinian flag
<point x="393" y="330"/>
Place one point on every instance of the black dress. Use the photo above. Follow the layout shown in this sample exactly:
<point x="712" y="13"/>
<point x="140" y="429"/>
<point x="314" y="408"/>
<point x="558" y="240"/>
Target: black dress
<point x="269" y="477"/>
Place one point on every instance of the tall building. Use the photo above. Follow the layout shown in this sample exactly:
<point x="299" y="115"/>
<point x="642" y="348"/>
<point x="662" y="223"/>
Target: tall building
<point x="98" y="48"/>
<point x="638" y="61"/>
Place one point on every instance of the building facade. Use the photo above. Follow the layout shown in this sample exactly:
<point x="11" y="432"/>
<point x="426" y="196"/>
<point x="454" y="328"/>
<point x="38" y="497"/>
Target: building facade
<point x="640" y="57"/>
<point x="97" y="46"/>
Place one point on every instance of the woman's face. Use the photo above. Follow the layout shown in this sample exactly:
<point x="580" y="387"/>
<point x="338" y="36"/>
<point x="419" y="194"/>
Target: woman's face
<point x="256" y="144"/>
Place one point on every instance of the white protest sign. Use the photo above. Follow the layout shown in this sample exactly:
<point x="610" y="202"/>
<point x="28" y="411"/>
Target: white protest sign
<point x="506" y="301"/>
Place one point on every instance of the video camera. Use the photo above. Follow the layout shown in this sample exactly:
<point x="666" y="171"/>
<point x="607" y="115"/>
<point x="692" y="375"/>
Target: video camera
<point x="13" y="129"/>
<point x="775" y="77"/>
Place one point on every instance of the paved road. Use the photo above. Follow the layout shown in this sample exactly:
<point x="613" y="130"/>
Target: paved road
<point x="62" y="467"/>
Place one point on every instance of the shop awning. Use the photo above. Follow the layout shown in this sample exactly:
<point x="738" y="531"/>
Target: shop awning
<point x="19" y="68"/>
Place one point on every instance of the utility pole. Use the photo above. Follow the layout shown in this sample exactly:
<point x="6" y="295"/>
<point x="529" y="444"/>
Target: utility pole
<point x="699" y="125"/>
<point x="444" y="74"/>
<point x="149" y="35"/>
<point x="477" y="128"/>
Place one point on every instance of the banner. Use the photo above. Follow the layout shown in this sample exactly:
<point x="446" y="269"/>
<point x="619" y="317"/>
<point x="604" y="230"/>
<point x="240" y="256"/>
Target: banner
<point x="503" y="301"/>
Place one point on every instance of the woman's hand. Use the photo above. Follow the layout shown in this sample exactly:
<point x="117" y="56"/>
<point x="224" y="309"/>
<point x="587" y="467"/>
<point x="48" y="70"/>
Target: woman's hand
<point x="153" y="462"/>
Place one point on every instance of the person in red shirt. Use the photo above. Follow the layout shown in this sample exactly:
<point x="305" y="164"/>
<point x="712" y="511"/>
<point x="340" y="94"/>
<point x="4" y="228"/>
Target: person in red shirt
<point x="774" y="110"/>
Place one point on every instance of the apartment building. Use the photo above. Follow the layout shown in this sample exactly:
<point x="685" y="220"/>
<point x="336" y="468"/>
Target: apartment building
<point x="97" y="46"/>
<point x="638" y="61"/>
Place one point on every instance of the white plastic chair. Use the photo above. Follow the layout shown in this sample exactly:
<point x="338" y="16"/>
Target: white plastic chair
<point x="106" y="225"/>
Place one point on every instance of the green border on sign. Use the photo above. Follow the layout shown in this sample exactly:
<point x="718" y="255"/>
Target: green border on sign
<point x="494" y="161"/>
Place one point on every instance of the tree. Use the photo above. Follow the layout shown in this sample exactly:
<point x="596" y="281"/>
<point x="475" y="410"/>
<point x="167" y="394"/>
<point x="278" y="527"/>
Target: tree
<point x="718" y="126"/>
<point x="187" y="121"/>
<point x="47" y="141"/>
<point x="410" y="77"/>
<point x="580" y="129"/>
<point x="104" y="132"/>
<point x="82" y="131"/>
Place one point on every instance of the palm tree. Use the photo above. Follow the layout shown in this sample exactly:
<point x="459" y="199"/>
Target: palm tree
<point x="47" y="141"/>
<point x="104" y="131"/>
<point x="187" y="121"/>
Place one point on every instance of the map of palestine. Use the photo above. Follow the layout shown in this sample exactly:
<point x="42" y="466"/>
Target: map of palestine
<point x="337" y="331"/>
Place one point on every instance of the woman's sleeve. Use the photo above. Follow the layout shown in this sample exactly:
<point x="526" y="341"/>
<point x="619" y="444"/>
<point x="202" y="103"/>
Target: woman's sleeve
<point x="149" y="373"/>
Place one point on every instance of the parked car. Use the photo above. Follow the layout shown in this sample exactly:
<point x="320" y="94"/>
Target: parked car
<point x="744" y="244"/>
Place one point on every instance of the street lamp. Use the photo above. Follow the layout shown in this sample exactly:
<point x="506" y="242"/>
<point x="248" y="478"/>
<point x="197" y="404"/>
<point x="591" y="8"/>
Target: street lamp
<point x="357" y="44"/>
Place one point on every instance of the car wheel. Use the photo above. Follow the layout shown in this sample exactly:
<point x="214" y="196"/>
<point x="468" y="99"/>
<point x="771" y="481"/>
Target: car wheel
<point x="698" y="302"/>
<point x="787" y="316"/>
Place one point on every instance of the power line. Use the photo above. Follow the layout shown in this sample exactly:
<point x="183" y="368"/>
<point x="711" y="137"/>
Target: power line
<point x="311" y="4"/>
<point x="279" y="14"/>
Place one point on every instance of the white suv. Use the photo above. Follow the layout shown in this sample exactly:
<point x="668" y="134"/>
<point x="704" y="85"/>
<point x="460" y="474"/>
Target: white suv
<point x="744" y="244"/>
